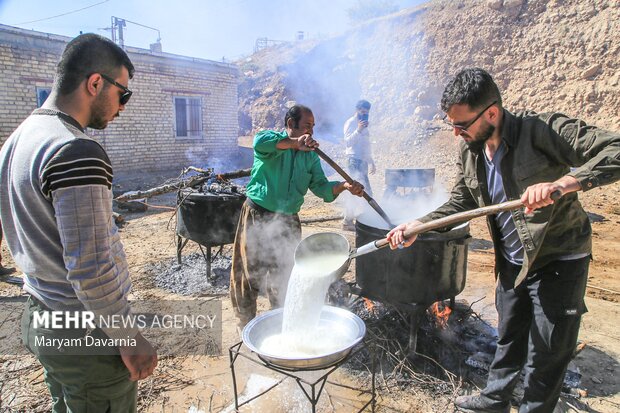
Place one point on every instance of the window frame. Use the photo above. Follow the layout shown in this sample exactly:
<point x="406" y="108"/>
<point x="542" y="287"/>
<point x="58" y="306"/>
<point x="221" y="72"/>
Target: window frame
<point x="38" y="90"/>
<point x="191" y="135"/>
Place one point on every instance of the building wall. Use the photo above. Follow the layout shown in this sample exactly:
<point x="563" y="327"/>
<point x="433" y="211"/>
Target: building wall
<point x="143" y="137"/>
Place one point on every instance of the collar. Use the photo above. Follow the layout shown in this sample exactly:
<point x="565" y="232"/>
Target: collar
<point x="61" y="115"/>
<point x="510" y="129"/>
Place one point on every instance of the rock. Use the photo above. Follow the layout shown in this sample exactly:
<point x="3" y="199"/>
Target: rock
<point x="592" y="96"/>
<point x="495" y="4"/>
<point x="137" y="205"/>
<point x="591" y="71"/>
<point x="424" y="112"/>
<point x="513" y="4"/>
<point x="513" y="7"/>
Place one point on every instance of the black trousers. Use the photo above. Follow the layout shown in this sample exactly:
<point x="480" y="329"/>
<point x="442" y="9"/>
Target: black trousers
<point x="537" y="328"/>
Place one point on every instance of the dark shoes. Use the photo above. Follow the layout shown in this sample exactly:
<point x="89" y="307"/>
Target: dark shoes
<point x="6" y="271"/>
<point x="481" y="404"/>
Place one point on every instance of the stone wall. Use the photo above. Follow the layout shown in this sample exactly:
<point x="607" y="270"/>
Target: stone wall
<point x="143" y="137"/>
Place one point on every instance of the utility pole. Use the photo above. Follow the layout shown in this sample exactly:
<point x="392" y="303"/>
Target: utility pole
<point x="118" y="24"/>
<point x="118" y="38"/>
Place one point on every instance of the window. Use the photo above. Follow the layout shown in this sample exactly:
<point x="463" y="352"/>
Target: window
<point x="188" y="117"/>
<point x="42" y="94"/>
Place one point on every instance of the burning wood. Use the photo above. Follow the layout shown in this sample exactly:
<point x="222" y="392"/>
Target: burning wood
<point x="441" y="312"/>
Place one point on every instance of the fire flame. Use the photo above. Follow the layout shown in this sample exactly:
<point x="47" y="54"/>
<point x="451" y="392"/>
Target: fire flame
<point x="370" y="306"/>
<point x="441" y="313"/>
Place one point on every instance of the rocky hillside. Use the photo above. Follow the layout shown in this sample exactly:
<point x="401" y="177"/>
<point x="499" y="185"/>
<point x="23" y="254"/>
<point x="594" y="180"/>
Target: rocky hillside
<point x="545" y="55"/>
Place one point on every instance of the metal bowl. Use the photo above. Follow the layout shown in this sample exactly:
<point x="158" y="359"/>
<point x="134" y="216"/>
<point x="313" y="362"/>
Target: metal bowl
<point x="333" y="318"/>
<point x="323" y="243"/>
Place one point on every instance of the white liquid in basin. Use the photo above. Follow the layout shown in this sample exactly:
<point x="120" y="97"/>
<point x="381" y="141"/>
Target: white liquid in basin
<point x="301" y="334"/>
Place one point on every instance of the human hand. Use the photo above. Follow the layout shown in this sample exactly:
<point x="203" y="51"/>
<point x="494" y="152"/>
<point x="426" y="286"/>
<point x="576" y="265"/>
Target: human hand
<point x="306" y="143"/>
<point x="140" y="359"/>
<point x="355" y="188"/>
<point x="396" y="237"/>
<point x="539" y="195"/>
<point x="361" y="125"/>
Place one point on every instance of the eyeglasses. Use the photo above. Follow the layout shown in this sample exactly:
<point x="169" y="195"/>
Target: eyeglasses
<point x="125" y="96"/>
<point x="463" y="127"/>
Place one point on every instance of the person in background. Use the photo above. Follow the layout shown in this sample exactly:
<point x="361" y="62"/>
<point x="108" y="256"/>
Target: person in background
<point x="542" y="253"/>
<point x="359" y="155"/>
<point x="285" y="167"/>
<point x="56" y="210"/>
<point x="4" y="270"/>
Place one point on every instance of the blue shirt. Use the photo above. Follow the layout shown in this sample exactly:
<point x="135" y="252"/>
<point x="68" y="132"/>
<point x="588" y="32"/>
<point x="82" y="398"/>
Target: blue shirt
<point x="511" y="246"/>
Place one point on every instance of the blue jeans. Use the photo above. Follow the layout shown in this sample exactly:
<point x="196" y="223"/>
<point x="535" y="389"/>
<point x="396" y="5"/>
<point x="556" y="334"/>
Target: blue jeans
<point x="358" y="170"/>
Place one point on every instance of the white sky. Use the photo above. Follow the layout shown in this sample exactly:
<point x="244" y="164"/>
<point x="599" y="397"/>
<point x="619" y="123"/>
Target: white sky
<point x="208" y="29"/>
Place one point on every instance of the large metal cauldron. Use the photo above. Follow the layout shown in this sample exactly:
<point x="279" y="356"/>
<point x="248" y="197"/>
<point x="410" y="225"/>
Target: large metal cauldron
<point x="432" y="269"/>
<point x="208" y="218"/>
<point x="333" y="318"/>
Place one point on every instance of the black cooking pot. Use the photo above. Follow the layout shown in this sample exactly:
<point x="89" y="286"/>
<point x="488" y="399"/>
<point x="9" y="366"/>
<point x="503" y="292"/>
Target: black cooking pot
<point x="432" y="269"/>
<point x="209" y="218"/>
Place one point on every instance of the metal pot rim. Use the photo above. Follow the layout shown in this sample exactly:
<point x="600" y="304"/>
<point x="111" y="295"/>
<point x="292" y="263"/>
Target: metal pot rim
<point x="314" y="362"/>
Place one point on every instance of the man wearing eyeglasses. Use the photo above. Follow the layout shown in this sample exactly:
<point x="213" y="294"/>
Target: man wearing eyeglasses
<point x="542" y="252"/>
<point x="56" y="211"/>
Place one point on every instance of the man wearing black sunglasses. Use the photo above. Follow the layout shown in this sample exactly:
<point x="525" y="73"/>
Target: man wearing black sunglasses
<point x="541" y="253"/>
<point x="56" y="212"/>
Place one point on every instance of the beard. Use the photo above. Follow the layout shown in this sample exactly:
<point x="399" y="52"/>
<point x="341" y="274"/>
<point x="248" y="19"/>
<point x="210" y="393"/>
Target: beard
<point x="481" y="138"/>
<point x="98" y="113"/>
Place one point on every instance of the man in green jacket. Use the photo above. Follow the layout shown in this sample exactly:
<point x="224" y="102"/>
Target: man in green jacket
<point x="541" y="253"/>
<point x="285" y="167"/>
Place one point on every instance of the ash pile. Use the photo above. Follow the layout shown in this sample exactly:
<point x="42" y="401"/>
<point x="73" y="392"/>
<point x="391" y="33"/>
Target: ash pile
<point x="190" y="278"/>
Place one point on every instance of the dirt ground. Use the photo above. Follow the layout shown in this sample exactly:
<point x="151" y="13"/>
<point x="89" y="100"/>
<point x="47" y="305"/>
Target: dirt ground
<point x="200" y="383"/>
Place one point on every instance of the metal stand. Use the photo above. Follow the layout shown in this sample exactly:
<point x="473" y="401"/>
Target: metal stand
<point x="181" y="243"/>
<point x="310" y="391"/>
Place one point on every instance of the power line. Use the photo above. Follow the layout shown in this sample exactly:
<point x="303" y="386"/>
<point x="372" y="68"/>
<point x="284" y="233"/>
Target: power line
<point x="60" y="15"/>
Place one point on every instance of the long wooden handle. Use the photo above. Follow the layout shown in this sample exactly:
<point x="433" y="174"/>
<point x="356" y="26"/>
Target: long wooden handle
<point x="348" y="178"/>
<point x="462" y="217"/>
<point x="341" y="171"/>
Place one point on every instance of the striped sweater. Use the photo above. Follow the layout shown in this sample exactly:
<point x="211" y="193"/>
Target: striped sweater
<point x="56" y="213"/>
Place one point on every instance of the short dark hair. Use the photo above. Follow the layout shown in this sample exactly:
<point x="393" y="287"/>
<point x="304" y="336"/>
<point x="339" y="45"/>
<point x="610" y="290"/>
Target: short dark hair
<point x="362" y="104"/>
<point x="474" y="87"/>
<point x="295" y="113"/>
<point x="87" y="54"/>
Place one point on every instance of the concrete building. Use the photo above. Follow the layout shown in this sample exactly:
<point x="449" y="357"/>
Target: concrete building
<point x="183" y="111"/>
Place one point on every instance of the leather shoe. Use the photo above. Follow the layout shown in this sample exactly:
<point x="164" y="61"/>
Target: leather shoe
<point x="481" y="404"/>
<point x="6" y="271"/>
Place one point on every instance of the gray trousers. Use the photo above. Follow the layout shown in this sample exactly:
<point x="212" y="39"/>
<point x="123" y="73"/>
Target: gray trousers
<point x="538" y="328"/>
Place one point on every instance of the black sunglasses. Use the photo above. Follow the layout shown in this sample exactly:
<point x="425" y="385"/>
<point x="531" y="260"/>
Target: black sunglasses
<point x="467" y="124"/>
<point x="125" y="96"/>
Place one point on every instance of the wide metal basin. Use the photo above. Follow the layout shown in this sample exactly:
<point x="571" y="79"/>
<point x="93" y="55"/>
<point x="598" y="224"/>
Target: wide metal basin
<point x="332" y="318"/>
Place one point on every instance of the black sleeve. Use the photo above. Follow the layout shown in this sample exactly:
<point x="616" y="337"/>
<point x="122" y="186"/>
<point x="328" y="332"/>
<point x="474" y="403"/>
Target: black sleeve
<point x="77" y="163"/>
